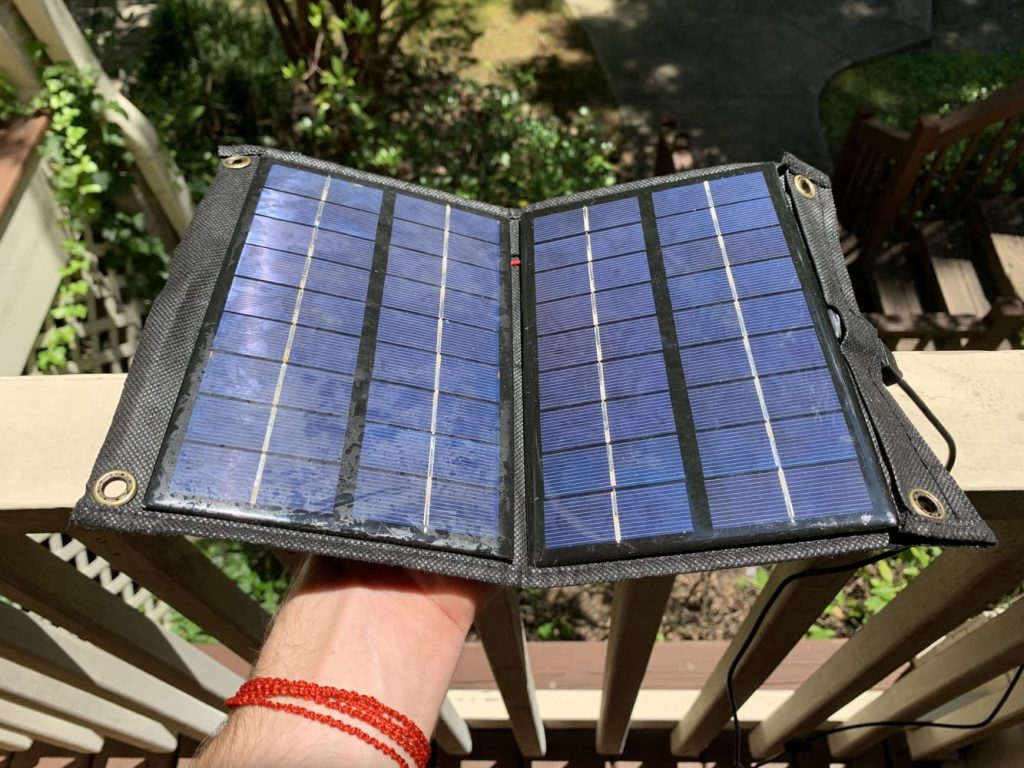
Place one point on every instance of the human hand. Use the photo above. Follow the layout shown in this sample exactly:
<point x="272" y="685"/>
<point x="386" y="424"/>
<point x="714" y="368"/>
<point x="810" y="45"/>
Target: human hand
<point x="383" y="631"/>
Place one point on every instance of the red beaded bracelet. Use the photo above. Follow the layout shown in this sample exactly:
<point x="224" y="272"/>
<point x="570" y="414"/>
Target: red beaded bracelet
<point x="260" y="692"/>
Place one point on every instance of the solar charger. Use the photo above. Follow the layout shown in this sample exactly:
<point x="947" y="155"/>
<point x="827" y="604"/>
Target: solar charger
<point x="665" y="376"/>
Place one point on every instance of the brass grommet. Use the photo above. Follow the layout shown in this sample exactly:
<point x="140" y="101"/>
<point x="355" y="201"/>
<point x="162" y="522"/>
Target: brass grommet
<point x="805" y="186"/>
<point x="236" y="161"/>
<point x="115" y="488"/>
<point x="927" y="504"/>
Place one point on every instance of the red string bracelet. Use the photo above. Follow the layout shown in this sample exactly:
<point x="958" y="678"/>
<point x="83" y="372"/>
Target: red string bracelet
<point x="260" y="692"/>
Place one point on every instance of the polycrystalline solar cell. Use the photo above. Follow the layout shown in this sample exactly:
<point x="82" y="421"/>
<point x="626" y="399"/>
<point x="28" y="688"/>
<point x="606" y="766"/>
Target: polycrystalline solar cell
<point x="431" y="456"/>
<point x="610" y="458"/>
<point x="769" y="429"/>
<point x="268" y="425"/>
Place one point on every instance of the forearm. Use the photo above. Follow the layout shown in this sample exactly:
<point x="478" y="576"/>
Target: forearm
<point x="382" y="632"/>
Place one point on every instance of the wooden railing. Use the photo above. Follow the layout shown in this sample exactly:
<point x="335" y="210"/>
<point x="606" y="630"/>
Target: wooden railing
<point x="83" y="673"/>
<point x="887" y="178"/>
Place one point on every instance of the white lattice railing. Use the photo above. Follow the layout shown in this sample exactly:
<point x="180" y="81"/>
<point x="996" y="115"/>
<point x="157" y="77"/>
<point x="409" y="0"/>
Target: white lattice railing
<point x="91" y="565"/>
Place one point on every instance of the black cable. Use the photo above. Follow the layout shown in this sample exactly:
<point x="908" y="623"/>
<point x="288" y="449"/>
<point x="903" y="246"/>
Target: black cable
<point x="904" y="723"/>
<point x="933" y="420"/>
<point x="729" y="689"/>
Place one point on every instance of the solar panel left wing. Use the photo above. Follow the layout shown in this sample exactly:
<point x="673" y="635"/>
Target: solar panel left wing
<point x="350" y="373"/>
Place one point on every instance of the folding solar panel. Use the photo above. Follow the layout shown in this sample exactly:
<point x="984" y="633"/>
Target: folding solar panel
<point x="664" y="376"/>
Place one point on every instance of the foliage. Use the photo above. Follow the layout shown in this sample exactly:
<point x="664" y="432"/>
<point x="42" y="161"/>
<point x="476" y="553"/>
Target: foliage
<point x="393" y="102"/>
<point x="90" y="174"/>
<point x="252" y="568"/>
<point x="870" y="591"/>
<point x="209" y="73"/>
<point x="900" y="88"/>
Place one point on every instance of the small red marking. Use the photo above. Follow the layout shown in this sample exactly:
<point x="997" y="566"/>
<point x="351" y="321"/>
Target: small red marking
<point x="515" y="262"/>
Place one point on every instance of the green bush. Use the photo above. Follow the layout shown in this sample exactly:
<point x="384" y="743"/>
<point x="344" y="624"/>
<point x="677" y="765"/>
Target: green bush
<point x="213" y="73"/>
<point x="209" y="73"/>
<point x="904" y="86"/>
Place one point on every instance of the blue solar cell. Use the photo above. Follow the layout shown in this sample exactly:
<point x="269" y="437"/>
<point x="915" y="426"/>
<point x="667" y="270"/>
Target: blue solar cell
<point x="616" y="242"/>
<point x="647" y="462"/>
<point x="469" y="510"/>
<point x="420" y="211"/>
<point x="735" y="189"/>
<point x="473" y="225"/>
<point x="295" y="181"/>
<point x="271" y="266"/>
<point x="258" y="337"/>
<point x="764" y="277"/>
<point x="230" y="423"/>
<point x="715" y="363"/>
<point x="281" y="235"/>
<point x="706" y="324"/>
<point x="770" y="314"/>
<point x="311" y="435"/>
<point x="337" y="279"/>
<point x="417" y="237"/>
<point x="211" y="472"/>
<point x="552" y="226"/>
<point x="615" y="213"/>
<point x="243" y="378"/>
<point x="266" y="300"/>
<point x="471" y="309"/>
<point x="742" y="501"/>
<point x="472" y="278"/>
<point x="845" y="492"/>
<point x="344" y="249"/>
<point x="476" y="253"/>
<point x="750" y="214"/>
<point x="380" y="498"/>
<point x="640" y="416"/>
<point x="292" y="484"/>
<point x="316" y="390"/>
<point x="577" y="520"/>
<point x="684" y="227"/>
<point x="807" y="392"/>
<point x="725" y="405"/>
<point x="660" y="511"/>
<point x="288" y="207"/>
<point x="467" y="341"/>
<point x="331" y="313"/>
<point x="324" y="349"/>
<point x="635" y="376"/>
<point x="813" y="439"/>
<point x="683" y="199"/>
<point x="346" y="193"/>
<point x="699" y="289"/>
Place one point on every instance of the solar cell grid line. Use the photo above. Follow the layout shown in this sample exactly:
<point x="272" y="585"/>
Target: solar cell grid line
<point x="437" y="370"/>
<point x="600" y="378"/>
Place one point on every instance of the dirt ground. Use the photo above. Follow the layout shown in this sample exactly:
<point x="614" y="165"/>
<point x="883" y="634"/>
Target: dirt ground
<point x="703" y="606"/>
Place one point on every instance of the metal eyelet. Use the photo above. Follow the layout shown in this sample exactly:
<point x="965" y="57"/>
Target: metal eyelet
<point x="927" y="504"/>
<point x="115" y="488"/>
<point x="805" y="187"/>
<point x="236" y="161"/>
